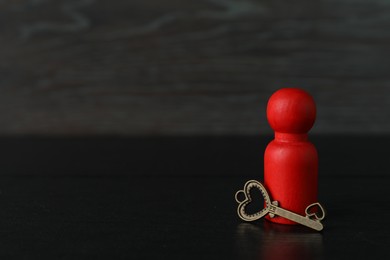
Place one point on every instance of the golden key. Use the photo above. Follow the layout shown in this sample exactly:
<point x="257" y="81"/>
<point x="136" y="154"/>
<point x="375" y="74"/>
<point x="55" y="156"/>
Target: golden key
<point x="311" y="220"/>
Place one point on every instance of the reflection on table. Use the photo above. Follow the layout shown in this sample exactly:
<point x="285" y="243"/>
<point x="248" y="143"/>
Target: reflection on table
<point x="265" y="240"/>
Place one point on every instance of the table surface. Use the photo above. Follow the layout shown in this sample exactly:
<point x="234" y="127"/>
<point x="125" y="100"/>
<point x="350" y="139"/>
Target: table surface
<point x="173" y="213"/>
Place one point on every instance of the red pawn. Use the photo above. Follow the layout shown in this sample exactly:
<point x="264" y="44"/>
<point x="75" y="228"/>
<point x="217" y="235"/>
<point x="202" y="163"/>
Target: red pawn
<point x="290" y="160"/>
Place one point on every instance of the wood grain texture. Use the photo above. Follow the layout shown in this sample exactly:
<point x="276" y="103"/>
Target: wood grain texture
<point x="190" y="67"/>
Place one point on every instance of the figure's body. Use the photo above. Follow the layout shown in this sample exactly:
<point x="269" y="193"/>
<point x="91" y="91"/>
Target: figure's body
<point x="290" y="160"/>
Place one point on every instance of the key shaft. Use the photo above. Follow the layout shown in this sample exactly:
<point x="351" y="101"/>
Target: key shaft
<point x="314" y="224"/>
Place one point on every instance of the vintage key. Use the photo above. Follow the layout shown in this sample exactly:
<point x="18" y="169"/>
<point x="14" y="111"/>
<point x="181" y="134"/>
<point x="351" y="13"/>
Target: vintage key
<point x="311" y="220"/>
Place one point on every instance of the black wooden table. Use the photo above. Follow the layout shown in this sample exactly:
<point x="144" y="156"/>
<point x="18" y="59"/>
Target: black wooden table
<point x="173" y="197"/>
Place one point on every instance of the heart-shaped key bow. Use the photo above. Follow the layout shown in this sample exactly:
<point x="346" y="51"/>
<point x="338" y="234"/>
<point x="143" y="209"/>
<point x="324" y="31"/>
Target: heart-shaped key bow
<point x="314" y="212"/>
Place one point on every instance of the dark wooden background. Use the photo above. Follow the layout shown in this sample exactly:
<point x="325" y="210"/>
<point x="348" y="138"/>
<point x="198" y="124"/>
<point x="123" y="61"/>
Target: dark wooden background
<point x="76" y="67"/>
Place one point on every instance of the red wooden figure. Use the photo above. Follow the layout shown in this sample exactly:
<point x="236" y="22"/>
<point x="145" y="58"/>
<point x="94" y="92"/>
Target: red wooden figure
<point x="290" y="160"/>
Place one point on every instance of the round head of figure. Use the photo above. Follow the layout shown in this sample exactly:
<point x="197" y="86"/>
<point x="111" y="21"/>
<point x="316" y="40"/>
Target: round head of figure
<point x="291" y="110"/>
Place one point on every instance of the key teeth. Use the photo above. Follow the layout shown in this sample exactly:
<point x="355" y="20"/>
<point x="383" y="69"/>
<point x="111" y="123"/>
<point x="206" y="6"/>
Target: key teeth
<point x="314" y="215"/>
